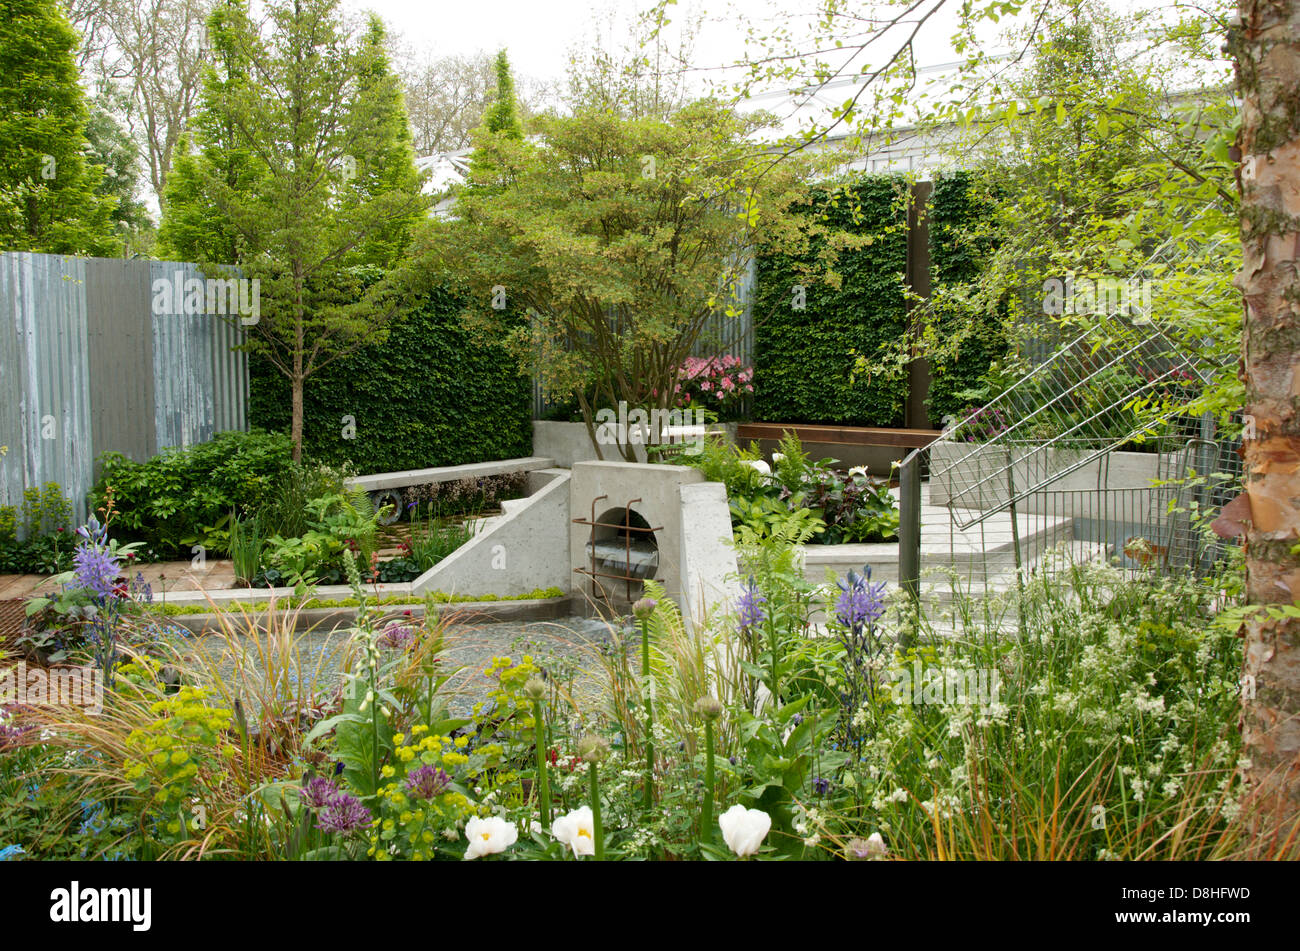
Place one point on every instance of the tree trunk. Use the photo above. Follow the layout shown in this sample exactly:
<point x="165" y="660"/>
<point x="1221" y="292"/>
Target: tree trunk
<point x="298" y="378"/>
<point x="1265" y="45"/>
<point x="295" y="427"/>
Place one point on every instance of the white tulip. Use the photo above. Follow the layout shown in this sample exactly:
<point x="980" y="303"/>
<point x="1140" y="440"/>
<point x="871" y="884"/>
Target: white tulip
<point x="577" y="831"/>
<point x="489" y="836"/>
<point x="744" y="829"/>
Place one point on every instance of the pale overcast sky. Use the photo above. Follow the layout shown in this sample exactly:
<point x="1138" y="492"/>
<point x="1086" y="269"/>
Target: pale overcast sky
<point x="539" y="34"/>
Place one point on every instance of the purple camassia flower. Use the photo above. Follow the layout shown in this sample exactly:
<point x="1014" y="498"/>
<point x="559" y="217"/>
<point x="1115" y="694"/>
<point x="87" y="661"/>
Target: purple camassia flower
<point x="860" y="602"/>
<point x="749" y="606"/>
<point x="94" y="569"/>
<point x="343" y="814"/>
<point x="397" y="636"/>
<point x="425" y="782"/>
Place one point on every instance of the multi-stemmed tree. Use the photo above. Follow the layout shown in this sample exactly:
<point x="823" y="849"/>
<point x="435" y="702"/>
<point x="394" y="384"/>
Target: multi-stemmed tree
<point x="620" y="239"/>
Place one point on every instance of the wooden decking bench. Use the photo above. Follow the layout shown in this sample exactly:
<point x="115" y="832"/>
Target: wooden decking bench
<point x="841" y="435"/>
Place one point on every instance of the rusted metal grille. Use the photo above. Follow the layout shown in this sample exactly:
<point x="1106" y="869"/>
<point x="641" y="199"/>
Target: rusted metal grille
<point x="626" y="576"/>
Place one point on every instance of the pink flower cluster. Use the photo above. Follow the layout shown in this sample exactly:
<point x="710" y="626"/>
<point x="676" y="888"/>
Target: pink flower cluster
<point x="717" y="381"/>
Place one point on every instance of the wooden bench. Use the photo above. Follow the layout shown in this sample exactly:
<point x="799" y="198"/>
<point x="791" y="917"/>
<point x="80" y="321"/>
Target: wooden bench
<point x="840" y="435"/>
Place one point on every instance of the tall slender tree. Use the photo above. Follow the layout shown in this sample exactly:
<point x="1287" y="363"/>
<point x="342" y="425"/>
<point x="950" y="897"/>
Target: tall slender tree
<point x="317" y="190"/>
<point x="49" y="191"/>
<point x="209" y="155"/>
<point x="503" y="115"/>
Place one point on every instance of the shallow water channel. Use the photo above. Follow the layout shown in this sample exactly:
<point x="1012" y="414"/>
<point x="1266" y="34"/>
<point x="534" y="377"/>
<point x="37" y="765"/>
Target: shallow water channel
<point x="569" y="649"/>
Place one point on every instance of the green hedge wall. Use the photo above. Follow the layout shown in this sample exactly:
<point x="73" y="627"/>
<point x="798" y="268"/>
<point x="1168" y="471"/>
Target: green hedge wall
<point x="956" y="256"/>
<point x="430" y="395"/>
<point x="802" y="360"/>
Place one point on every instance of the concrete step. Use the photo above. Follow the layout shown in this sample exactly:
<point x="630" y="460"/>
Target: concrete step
<point x="979" y="554"/>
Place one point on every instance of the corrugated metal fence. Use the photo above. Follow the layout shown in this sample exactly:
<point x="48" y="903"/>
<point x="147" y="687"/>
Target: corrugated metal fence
<point x="92" y="359"/>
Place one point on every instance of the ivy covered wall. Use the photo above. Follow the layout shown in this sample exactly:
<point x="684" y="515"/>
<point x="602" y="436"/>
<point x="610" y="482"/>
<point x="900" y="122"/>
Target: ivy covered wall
<point x="430" y="395"/>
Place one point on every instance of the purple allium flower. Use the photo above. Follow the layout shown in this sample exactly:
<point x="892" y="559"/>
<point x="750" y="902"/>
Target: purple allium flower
<point x="860" y="602"/>
<point x="425" y="782"/>
<point x="94" y="569"/>
<point x="748" y="605"/>
<point x="397" y="636"/>
<point x="343" y="814"/>
<point x="11" y="731"/>
<point x="319" y="793"/>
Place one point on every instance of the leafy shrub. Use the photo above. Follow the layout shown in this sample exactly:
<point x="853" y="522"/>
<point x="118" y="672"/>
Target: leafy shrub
<point x="720" y="384"/>
<point x="184" y="497"/>
<point x="285" y="510"/>
<point x="45" y="526"/>
<point x="834" y="506"/>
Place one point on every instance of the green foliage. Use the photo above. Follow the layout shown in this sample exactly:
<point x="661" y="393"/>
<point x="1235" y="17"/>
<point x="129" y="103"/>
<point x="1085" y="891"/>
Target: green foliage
<point x="802" y="497"/>
<point x="335" y="523"/>
<point x="310" y="172"/>
<point x="436" y="539"/>
<point x="193" y="227"/>
<point x="246" y="543"/>
<point x="805" y="359"/>
<point x="966" y="339"/>
<point x="285" y="511"/>
<point x="113" y="148"/>
<point x="44" y="523"/>
<point x="50" y="194"/>
<point x="622" y="239"/>
<point x="184" y="497"/>
<point x="502" y="117"/>
<point x="164" y="760"/>
<point x="430" y="395"/>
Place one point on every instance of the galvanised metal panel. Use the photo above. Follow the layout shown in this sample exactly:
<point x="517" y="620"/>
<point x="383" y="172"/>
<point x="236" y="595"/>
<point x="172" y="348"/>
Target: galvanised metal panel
<point x="121" y="349"/>
<point x="47" y="355"/>
<point x="11" y="389"/>
<point x="184" y="411"/>
<point x="80" y="333"/>
<point x="229" y="377"/>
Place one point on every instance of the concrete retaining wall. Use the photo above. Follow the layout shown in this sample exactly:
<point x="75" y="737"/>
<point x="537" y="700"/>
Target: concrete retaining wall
<point x="518" y="553"/>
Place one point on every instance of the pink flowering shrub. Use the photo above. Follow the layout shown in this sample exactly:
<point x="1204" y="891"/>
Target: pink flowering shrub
<point x="717" y="383"/>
